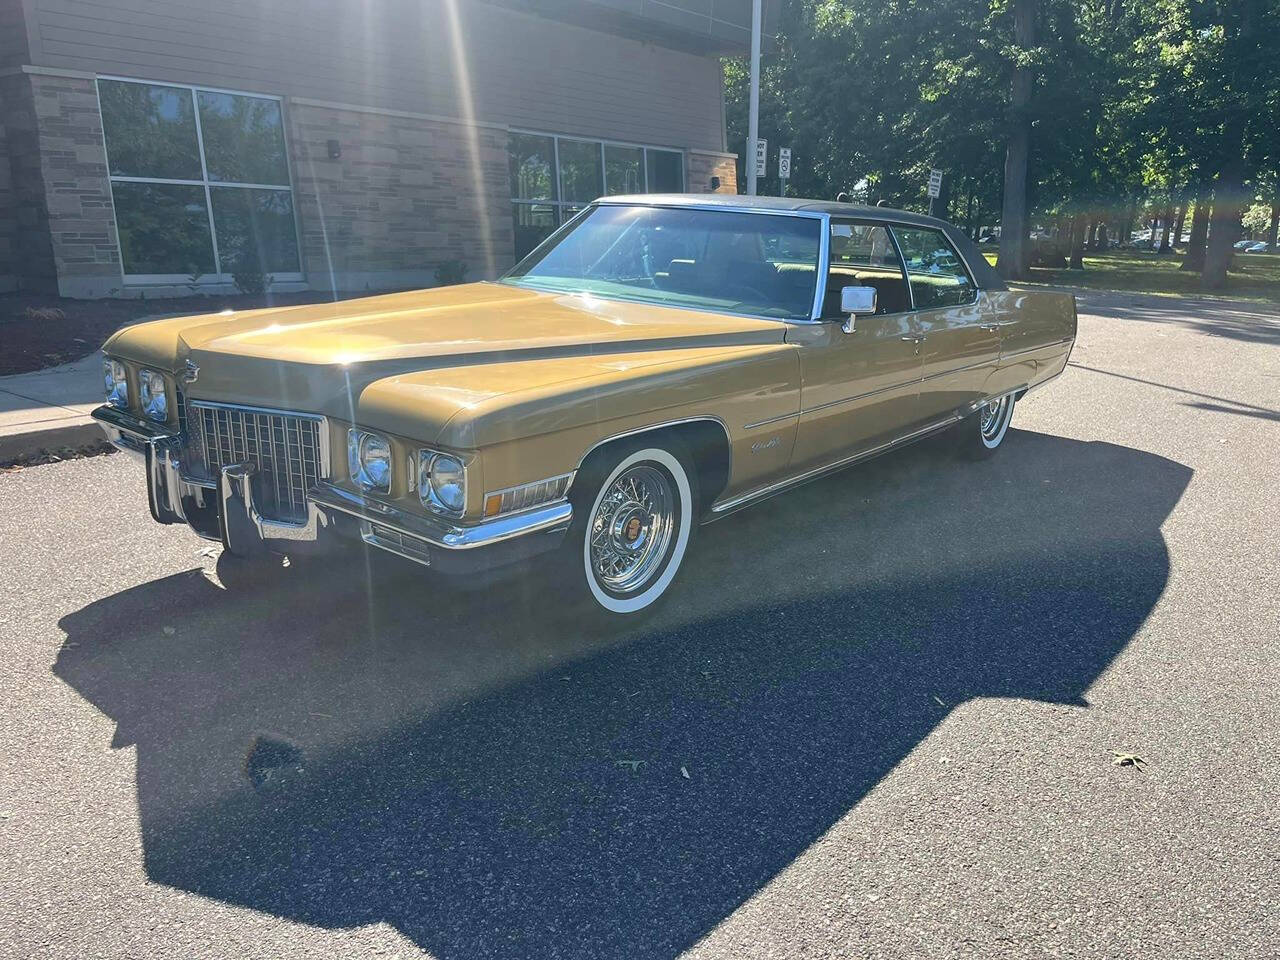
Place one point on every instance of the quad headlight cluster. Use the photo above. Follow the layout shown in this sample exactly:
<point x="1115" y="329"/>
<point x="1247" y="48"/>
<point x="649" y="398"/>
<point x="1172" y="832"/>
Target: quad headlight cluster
<point x="369" y="460"/>
<point x="441" y="477"/>
<point x="153" y="391"/>
<point x="153" y="394"/>
<point x="116" y="382"/>
<point x="442" y="482"/>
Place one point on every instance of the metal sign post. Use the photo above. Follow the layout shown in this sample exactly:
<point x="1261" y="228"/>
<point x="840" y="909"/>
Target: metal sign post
<point x="784" y="169"/>
<point x="935" y="187"/>
<point x="753" y="107"/>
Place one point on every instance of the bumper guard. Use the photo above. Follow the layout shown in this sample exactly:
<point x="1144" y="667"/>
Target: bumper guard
<point x="226" y="511"/>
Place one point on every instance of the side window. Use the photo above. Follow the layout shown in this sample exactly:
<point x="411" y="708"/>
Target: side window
<point x="937" y="274"/>
<point x="863" y="255"/>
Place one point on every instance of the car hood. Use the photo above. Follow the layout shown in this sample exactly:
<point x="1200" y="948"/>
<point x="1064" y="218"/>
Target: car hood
<point x="324" y="357"/>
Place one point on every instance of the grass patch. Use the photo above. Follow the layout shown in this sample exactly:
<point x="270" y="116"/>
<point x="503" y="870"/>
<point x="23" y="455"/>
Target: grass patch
<point x="1256" y="277"/>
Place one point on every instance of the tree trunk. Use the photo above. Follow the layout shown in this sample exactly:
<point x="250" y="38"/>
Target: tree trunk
<point x="1077" y="242"/>
<point x="1178" y="224"/>
<point x="1014" y="248"/>
<point x="1126" y="235"/>
<point x="1229" y="196"/>
<point x="1271" y="230"/>
<point x="1229" y="201"/>
<point x="1168" y="226"/>
<point x="1194" y="260"/>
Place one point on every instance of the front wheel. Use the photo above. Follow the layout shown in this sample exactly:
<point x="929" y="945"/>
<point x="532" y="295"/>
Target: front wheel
<point x="633" y="520"/>
<point x="980" y="434"/>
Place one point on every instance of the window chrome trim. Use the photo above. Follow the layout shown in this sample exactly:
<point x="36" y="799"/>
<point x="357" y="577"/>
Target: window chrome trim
<point x="902" y="262"/>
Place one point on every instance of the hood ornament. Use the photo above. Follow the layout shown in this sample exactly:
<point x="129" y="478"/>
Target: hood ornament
<point x="191" y="372"/>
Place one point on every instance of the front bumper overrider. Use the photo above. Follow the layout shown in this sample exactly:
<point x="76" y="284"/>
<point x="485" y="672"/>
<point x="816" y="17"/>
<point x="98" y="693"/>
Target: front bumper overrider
<point x="225" y="510"/>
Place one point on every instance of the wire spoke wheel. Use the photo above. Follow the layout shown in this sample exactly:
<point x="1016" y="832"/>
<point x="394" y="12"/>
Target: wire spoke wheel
<point x="993" y="419"/>
<point x="632" y="529"/>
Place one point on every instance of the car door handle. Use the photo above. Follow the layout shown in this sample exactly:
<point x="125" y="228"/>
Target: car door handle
<point x="914" y="339"/>
<point x="989" y="326"/>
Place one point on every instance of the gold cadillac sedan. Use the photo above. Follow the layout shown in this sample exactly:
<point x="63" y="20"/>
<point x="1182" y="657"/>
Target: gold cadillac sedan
<point x="655" y="364"/>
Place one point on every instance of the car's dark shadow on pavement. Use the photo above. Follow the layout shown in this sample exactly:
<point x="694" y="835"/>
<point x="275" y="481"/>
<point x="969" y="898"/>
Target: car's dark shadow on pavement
<point x="493" y="783"/>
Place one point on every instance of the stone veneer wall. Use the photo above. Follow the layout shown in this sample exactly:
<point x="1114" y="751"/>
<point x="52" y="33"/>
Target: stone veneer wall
<point x="401" y="199"/>
<point x="26" y="255"/>
<point x="77" y="191"/>
<point x="704" y="166"/>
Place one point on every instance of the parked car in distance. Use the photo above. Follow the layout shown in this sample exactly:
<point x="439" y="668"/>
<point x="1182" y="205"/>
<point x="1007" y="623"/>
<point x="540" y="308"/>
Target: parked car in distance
<point x="657" y="363"/>
<point x="1259" y="247"/>
<point x="1243" y="244"/>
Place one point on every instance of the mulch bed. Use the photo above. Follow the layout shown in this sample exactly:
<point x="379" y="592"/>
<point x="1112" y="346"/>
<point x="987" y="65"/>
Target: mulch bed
<point x="98" y="448"/>
<point x="38" y="331"/>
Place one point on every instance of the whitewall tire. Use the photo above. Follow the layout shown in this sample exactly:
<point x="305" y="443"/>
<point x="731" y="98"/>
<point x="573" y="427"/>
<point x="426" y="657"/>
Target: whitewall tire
<point x="633" y="526"/>
<point x="981" y="433"/>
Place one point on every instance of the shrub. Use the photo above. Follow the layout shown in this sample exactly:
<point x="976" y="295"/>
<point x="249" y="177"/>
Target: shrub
<point x="44" y="314"/>
<point x="451" y="272"/>
<point x="249" y="278"/>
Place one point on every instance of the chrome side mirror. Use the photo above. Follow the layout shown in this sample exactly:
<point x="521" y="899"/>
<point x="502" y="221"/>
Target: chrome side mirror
<point x="856" y="300"/>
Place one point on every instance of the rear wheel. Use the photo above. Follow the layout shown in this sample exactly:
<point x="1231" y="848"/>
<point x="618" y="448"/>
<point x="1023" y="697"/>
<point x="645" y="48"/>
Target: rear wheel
<point x="980" y="434"/>
<point x="633" y="520"/>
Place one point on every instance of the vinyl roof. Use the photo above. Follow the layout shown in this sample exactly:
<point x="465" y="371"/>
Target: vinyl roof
<point x="985" y="276"/>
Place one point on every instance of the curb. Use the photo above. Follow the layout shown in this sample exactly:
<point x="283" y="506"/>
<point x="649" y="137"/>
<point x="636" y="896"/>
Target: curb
<point x="76" y="433"/>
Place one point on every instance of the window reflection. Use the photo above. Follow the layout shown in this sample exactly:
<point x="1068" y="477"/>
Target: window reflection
<point x="174" y="214"/>
<point x="552" y="178"/>
<point x="150" y="131"/>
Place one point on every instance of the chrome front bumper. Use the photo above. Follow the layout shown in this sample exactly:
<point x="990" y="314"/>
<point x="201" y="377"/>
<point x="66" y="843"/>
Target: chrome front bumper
<point x="225" y="510"/>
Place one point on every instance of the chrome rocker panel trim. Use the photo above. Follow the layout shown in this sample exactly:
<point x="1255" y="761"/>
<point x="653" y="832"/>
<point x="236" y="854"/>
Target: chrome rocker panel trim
<point x="726" y="507"/>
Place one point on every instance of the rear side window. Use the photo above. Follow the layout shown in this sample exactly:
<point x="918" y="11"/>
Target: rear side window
<point x="937" y="274"/>
<point x="863" y="255"/>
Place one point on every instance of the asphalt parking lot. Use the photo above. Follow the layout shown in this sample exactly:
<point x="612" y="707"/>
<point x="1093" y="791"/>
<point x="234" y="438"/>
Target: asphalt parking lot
<point x="878" y="717"/>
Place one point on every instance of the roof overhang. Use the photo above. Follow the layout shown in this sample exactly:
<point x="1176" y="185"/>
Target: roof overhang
<point x="709" y="27"/>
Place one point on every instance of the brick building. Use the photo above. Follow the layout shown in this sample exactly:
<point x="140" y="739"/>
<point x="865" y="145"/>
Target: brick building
<point x="158" y="147"/>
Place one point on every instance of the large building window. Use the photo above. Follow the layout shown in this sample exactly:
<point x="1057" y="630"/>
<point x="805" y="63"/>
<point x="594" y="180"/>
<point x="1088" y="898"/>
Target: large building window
<point x="552" y="178"/>
<point x="200" y="182"/>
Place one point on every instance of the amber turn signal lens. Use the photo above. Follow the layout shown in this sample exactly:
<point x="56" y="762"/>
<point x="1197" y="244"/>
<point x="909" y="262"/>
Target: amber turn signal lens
<point x="493" y="505"/>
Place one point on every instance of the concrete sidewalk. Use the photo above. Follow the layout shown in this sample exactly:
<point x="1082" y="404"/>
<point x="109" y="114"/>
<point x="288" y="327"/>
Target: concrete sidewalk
<point x="49" y="409"/>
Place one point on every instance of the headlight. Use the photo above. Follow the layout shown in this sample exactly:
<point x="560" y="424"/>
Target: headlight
<point x="152" y="395"/>
<point x="369" y="460"/>
<point x="115" y="382"/>
<point x="442" y="482"/>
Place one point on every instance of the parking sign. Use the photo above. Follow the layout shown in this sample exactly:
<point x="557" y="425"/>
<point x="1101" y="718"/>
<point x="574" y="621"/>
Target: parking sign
<point x="762" y="153"/>
<point x="784" y="163"/>
<point x="935" y="183"/>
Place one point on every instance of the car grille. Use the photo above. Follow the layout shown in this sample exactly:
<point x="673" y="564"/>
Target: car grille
<point x="285" y="448"/>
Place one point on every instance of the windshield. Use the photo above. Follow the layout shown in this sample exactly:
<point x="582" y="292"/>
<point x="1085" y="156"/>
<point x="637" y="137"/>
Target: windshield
<point x="746" y="263"/>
